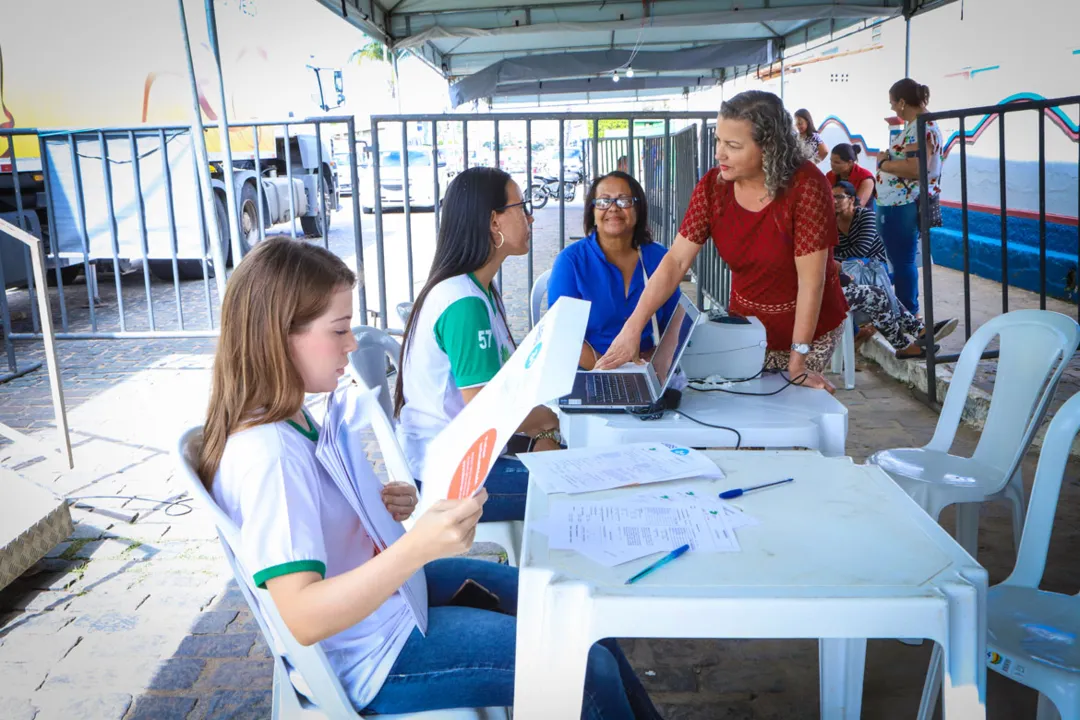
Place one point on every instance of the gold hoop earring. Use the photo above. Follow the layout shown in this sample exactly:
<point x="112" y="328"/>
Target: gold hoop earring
<point x="502" y="240"/>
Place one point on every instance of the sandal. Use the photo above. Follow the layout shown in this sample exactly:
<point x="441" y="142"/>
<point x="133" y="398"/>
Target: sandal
<point x="921" y="355"/>
<point x="942" y="329"/>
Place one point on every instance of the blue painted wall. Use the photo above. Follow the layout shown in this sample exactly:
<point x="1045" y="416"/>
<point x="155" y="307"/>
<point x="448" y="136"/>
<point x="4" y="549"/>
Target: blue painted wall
<point x="984" y="238"/>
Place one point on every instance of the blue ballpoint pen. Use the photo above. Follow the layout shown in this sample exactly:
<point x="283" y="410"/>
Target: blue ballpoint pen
<point x="659" y="563"/>
<point x="732" y="494"/>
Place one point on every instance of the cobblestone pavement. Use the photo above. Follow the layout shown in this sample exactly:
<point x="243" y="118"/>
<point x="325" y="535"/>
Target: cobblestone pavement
<point x="140" y="619"/>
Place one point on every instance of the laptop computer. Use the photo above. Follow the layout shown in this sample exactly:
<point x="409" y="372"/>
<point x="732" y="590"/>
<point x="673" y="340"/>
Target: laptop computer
<point x="617" y="391"/>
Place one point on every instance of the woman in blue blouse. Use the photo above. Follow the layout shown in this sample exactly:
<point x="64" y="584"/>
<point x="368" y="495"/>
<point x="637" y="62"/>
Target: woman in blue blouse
<point x="610" y="265"/>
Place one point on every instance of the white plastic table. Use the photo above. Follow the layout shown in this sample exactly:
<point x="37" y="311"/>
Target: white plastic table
<point x="796" y="417"/>
<point x="842" y="554"/>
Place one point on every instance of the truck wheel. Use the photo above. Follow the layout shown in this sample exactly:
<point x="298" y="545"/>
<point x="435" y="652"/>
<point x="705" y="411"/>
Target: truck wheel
<point x="249" y="217"/>
<point x="312" y="225"/>
<point x="192" y="269"/>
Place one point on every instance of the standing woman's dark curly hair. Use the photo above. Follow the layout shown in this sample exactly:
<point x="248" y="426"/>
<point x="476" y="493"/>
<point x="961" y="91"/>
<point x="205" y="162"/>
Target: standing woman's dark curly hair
<point x="641" y="208"/>
<point x="771" y="128"/>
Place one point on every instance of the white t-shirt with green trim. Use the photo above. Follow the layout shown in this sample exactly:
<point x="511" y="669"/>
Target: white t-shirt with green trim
<point x="459" y="340"/>
<point x="293" y="518"/>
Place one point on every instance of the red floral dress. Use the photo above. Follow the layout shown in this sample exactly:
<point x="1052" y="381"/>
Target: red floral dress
<point x="761" y="247"/>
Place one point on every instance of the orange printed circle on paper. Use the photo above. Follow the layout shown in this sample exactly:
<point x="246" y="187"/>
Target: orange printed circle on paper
<point x="473" y="468"/>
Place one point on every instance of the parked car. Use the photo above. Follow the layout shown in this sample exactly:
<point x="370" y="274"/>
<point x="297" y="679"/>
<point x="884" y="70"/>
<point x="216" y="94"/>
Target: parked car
<point x="391" y="180"/>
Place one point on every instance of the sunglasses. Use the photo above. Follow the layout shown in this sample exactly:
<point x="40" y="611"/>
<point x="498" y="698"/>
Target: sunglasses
<point x="623" y="201"/>
<point x="525" y="205"/>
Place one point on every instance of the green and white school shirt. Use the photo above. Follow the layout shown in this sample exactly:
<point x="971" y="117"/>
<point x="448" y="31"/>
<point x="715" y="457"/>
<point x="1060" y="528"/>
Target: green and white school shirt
<point x="293" y="518"/>
<point x="459" y="340"/>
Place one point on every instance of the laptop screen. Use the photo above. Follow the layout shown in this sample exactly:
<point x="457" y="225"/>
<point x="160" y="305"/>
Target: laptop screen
<point x="674" y="340"/>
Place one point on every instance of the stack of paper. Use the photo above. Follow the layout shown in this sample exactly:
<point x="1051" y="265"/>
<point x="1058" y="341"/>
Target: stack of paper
<point x="589" y="469"/>
<point x="689" y="496"/>
<point x="615" y="532"/>
<point x="349" y="412"/>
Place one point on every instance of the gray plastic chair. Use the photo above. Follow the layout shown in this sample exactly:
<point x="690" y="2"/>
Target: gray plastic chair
<point x="368" y="365"/>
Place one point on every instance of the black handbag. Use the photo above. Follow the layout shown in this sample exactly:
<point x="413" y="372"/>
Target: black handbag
<point x="935" y="210"/>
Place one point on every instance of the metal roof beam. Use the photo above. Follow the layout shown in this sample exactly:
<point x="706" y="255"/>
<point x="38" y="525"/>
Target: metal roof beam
<point x="366" y="15"/>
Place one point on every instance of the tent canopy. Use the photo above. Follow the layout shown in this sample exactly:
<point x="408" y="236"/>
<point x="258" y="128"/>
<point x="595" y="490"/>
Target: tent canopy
<point x="489" y="48"/>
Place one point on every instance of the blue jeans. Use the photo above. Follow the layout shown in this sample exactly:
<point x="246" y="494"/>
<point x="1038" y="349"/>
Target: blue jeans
<point x="507" y="484"/>
<point x="898" y="226"/>
<point x="467" y="657"/>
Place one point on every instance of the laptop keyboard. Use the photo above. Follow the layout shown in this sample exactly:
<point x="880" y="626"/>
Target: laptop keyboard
<point x="614" y="389"/>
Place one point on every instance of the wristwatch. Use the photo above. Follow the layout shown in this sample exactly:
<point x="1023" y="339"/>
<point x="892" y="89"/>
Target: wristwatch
<point x="801" y="348"/>
<point x="547" y="435"/>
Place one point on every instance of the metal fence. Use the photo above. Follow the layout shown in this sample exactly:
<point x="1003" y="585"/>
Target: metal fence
<point x="127" y="202"/>
<point x="123" y="204"/>
<point x="668" y="166"/>
<point x="1041" y="108"/>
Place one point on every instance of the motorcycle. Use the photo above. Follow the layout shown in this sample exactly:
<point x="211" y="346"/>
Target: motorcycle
<point x="544" y="187"/>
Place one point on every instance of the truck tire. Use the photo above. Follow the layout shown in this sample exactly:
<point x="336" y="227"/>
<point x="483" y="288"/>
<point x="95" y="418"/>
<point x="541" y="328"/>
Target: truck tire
<point x="189" y="269"/>
<point x="312" y="225"/>
<point x="248" y="221"/>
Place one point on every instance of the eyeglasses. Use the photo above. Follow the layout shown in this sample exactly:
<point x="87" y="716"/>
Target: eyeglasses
<point x="525" y="205"/>
<point x="623" y="201"/>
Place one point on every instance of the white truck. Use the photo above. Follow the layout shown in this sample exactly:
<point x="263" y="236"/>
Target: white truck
<point x="139" y="79"/>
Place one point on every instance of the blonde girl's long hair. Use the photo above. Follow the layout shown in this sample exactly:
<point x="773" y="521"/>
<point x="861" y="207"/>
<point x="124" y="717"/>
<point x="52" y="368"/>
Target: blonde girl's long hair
<point x="278" y="289"/>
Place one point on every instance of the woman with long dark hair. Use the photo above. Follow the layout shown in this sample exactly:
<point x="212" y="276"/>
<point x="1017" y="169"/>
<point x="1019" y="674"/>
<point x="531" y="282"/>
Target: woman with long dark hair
<point x="808" y="133"/>
<point x="457" y="337"/>
<point x="611" y="264"/>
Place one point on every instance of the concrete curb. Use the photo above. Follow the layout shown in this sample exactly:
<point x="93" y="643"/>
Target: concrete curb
<point x="913" y="374"/>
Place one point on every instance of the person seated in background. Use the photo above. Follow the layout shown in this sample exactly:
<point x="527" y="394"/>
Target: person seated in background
<point x="857" y="226"/>
<point x="610" y="265"/>
<point x="808" y="133"/>
<point x="862" y="248"/>
<point x="845" y="166"/>
<point x="622" y="165"/>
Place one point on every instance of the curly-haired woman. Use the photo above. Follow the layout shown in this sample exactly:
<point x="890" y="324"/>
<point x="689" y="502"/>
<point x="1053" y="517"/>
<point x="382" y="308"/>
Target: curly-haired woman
<point x="769" y="211"/>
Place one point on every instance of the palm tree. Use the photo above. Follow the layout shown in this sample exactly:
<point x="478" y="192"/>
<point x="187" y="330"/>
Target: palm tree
<point x="377" y="52"/>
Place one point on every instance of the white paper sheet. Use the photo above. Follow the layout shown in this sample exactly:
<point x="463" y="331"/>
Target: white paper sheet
<point x="350" y="411"/>
<point x="615" y="532"/>
<point x="540" y="370"/>
<point x="690" y="496"/>
<point x="602" y="468"/>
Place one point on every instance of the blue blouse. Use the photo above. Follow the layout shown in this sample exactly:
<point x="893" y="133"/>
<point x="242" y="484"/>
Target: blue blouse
<point x="582" y="271"/>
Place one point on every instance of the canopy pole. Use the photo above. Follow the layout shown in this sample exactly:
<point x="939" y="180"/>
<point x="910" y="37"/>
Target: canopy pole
<point x="781" y="74"/>
<point x="198" y="143"/>
<point x="907" y="46"/>
<point x="397" y="79"/>
<point x="223" y="132"/>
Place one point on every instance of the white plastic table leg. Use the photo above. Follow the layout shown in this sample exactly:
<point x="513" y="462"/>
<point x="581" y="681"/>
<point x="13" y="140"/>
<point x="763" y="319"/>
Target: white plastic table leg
<point x="841" y="664"/>
<point x="552" y="653"/>
<point x="964" y="687"/>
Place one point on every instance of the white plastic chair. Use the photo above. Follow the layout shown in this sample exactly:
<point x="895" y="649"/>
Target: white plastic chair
<point x="1036" y="346"/>
<point x="368" y="365"/>
<point x="536" y="298"/>
<point x="327" y="696"/>
<point x="843" y="359"/>
<point x="1032" y="633"/>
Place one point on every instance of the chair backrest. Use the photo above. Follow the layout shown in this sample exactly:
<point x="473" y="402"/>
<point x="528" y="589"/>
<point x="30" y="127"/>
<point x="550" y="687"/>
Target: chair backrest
<point x="403" y="310"/>
<point x="368" y="366"/>
<point x="1035" y="348"/>
<point x="323" y="686"/>
<point x="536" y="299"/>
<point x="1031" y="557"/>
<point x="368" y="362"/>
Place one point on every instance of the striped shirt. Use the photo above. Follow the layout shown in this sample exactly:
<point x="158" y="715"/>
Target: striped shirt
<point x="861" y="240"/>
